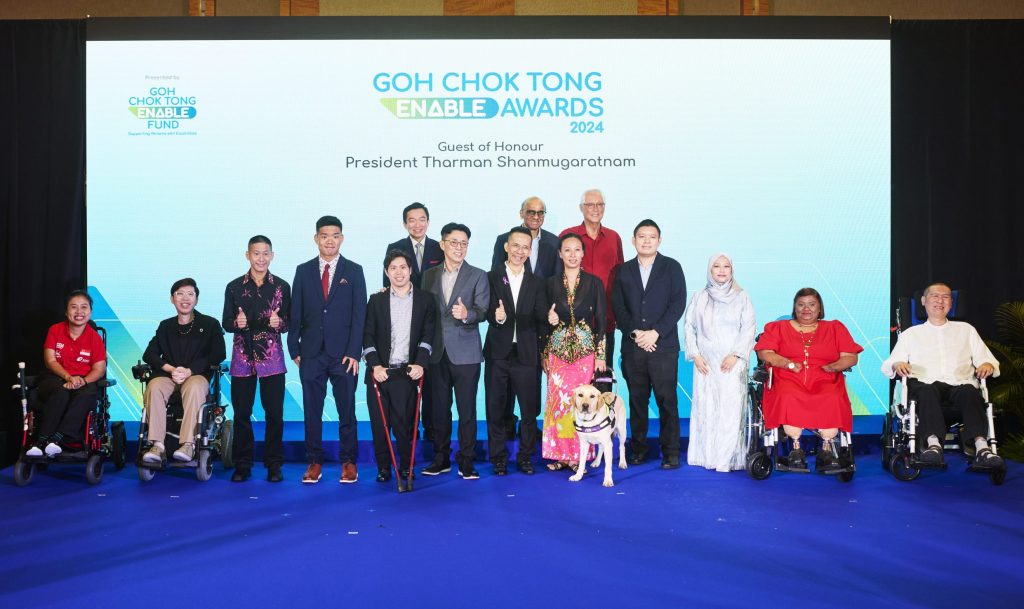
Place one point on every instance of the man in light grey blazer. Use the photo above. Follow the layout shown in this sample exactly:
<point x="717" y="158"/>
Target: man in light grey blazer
<point x="462" y="295"/>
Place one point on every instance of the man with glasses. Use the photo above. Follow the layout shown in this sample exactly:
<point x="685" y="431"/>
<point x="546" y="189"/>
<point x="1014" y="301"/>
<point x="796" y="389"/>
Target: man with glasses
<point x="602" y="254"/>
<point x="544" y="250"/>
<point x="944" y="360"/>
<point x="462" y="297"/>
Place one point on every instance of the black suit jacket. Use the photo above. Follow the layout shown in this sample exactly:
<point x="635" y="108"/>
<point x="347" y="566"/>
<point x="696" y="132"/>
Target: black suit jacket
<point x="547" y="255"/>
<point x="432" y="256"/>
<point x="377" y="331"/>
<point x="659" y="307"/>
<point x="526" y="318"/>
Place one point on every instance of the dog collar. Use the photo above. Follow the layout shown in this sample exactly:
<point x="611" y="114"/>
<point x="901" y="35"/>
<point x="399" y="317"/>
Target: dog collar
<point x="607" y="422"/>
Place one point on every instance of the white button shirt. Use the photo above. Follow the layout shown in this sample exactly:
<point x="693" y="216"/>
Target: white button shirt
<point x="949" y="353"/>
<point x="515" y="282"/>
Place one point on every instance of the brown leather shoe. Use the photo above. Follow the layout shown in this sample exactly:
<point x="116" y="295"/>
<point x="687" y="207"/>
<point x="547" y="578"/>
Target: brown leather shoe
<point x="312" y="475"/>
<point x="348" y="473"/>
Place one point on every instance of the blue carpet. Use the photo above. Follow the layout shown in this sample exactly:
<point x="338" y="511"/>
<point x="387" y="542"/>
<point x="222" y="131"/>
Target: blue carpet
<point x="687" y="538"/>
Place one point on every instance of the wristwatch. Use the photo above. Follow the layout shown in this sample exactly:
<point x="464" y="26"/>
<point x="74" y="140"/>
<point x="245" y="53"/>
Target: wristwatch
<point x="791" y="366"/>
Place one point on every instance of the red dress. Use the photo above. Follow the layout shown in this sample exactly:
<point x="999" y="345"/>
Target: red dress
<point x="811" y="398"/>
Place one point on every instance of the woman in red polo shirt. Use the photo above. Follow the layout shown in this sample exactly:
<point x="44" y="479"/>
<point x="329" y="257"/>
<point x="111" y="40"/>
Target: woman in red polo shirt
<point x="75" y="359"/>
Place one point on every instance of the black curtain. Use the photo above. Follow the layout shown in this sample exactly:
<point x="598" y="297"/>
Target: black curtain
<point x="42" y="188"/>
<point x="958" y="161"/>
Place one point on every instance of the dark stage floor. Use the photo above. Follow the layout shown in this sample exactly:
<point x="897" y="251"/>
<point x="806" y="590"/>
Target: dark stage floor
<point x="684" y="538"/>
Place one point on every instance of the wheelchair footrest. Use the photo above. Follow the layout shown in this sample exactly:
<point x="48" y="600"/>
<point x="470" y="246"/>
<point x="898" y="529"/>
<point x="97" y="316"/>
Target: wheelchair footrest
<point x="782" y="465"/>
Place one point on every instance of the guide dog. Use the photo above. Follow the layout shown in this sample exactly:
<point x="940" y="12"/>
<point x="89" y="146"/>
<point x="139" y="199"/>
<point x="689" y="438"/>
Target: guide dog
<point x="597" y="417"/>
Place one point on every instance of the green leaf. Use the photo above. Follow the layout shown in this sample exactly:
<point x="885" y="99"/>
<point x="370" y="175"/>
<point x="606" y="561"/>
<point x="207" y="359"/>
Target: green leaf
<point x="1009" y="318"/>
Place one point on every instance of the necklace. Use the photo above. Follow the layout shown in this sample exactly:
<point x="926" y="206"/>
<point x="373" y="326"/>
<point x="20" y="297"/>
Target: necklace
<point x="190" y="324"/>
<point x="808" y="339"/>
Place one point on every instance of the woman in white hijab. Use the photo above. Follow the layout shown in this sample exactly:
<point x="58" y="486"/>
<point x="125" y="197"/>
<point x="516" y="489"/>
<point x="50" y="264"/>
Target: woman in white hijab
<point x="719" y="331"/>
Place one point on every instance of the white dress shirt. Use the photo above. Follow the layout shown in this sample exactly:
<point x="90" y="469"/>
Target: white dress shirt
<point x="515" y="283"/>
<point x="949" y="353"/>
<point x="330" y="275"/>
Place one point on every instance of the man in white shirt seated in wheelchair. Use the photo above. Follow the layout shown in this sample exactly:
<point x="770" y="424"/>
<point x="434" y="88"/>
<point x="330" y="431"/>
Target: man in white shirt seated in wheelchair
<point x="944" y="360"/>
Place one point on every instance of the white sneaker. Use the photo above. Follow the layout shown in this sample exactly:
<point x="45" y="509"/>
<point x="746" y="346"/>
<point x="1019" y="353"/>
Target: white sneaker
<point x="52" y="450"/>
<point x="35" y="451"/>
<point x="155" y="454"/>
<point x="185" y="452"/>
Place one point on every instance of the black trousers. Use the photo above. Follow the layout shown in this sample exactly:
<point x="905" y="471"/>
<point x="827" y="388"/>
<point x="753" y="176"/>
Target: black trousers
<point x="502" y="377"/>
<point x="64" y="410"/>
<point x="645" y="372"/>
<point x="243" y="396"/>
<point x="446" y="377"/>
<point x="609" y="350"/>
<point x="398" y="397"/>
<point x="930" y="396"/>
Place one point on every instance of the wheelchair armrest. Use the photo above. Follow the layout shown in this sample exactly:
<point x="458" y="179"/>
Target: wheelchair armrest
<point x="221" y="368"/>
<point x="104" y="383"/>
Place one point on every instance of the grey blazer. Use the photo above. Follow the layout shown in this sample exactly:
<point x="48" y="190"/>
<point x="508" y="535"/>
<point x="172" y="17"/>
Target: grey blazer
<point x="461" y="340"/>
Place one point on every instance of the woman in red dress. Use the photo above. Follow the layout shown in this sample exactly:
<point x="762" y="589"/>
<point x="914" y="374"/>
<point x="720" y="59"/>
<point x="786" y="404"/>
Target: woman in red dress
<point x="808" y="390"/>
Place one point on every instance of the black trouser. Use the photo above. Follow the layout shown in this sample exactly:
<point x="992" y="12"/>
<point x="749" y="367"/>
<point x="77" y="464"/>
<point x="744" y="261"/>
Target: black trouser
<point x="243" y="395"/>
<point x="463" y="379"/>
<point x="658" y="371"/>
<point x="609" y="350"/>
<point x="504" y="376"/>
<point x="930" y="396"/>
<point x="64" y="410"/>
<point x="398" y="396"/>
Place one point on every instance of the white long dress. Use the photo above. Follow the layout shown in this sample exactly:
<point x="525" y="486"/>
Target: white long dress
<point x="715" y="330"/>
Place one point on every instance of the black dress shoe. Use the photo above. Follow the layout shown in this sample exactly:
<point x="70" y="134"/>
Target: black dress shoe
<point x="637" y="459"/>
<point x="383" y="474"/>
<point x="525" y="467"/>
<point x="670" y="463"/>
<point x="274" y="474"/>
<point x="501" y="469"/>
<point x="241" y="474"/>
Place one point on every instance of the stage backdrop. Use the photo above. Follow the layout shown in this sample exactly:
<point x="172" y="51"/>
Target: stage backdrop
<point x="762" y="139"/>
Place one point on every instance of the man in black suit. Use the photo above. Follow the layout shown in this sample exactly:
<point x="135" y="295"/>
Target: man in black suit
<point x="426" y="252"/>
<point x="543" y="259"/>
<point x="543" y="262"/>
<point x="397" y="343"/>
<point x="649" y="297"/>
<point x="517" y="311"/>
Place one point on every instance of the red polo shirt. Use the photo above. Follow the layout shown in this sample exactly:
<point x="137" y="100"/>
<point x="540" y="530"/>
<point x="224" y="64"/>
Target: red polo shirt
<point x="75" y="356"/>
<point x="601" y="257"/>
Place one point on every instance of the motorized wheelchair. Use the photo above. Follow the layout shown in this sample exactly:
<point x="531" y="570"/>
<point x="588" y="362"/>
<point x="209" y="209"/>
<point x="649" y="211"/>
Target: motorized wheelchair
<point x="768" y="450"/>
<point x="213" y="433"/>
<point x="900" y="455"/>
<point x="101" y="439"/>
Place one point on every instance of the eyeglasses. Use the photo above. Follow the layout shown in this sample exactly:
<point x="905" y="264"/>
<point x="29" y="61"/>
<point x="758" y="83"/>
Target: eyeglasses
<point x="459" y="245"/>
<point x="535" y="213"/>
<point x="594" y="205"/>
<point x="188" y="294"/>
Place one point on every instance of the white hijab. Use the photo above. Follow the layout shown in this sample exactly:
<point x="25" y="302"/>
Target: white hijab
<point x="724" y="293"/>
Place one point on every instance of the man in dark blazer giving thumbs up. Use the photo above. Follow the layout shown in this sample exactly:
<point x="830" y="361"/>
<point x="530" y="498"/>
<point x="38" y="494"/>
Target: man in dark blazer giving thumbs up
<point x="462" y="296"/>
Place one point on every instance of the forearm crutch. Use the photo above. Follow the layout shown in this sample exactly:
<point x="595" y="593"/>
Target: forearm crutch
<point x="387" y="434"/>
<point x="415" y="432"/>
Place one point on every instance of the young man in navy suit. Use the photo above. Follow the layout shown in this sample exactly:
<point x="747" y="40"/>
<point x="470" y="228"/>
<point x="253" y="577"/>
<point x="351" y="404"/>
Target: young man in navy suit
<point x="325" y="341"/>
<point x="649" y="297"/>
<point x="517" y="312"/>
<point x="426" y="254"/>
<point x="462" y="296"/>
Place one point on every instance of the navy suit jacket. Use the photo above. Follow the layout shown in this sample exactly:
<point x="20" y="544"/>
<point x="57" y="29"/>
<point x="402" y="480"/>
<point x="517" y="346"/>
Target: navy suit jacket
<point x="334" y="325"/>
<point x="659" y="307"/>
<point x="547" y="255"/>
<point x="527" y="319"/>
<point x="432" y="256"/>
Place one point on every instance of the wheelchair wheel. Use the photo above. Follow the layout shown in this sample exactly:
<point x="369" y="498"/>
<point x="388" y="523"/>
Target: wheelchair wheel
<point x="887" y="441"/>
<point x="118" y="445"/>
<point x="759" y="466"/>
<point x="146" y="474"/>
<point x="997" y="476"/>
<point x="23" y="472"/>
<point x="227" y="438"/>
<point x="94" y="469"/>
<point x="205" y="469"/>
<point x="900" y="467"/>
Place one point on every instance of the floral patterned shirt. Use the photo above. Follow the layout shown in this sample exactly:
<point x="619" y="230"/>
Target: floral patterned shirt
<point x="257" y="349"/>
